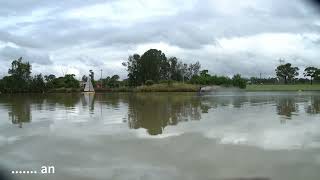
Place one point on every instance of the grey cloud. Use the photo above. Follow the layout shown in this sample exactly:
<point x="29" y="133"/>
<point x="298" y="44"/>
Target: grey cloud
<point x="190" y="30"/>
<point x="18" y="7"/>
<point x="10" y="53"/>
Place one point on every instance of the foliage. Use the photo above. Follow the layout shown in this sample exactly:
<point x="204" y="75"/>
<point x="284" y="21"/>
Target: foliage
<point x="37" y="84"/>
<point x="153" y="65"/>
<point x="310" y="72"/>
<point x="283" y="87"/>
<point x="20" y="76"/>
<point x="286" y="72"/>
<point x="206" y="79"/>
<point x="111" y="82"/>
<point x="149" y="82"/>
<point x="239" y="82"/>
<point x="70" y="81"/>
<point x="175" y="87"/>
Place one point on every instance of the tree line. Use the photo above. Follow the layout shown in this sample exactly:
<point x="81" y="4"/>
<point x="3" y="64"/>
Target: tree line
<point x="20" y="80"/>
<point x="154" y="67"/>
<point x="151" y="67"/>
<point x="288" y="74"/>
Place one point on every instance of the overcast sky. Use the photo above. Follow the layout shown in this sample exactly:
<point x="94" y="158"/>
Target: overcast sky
<point x="225" y="36"/>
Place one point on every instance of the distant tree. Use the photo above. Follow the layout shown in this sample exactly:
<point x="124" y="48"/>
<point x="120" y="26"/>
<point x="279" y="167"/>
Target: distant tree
<point x="49" y="81"/>
<point x="38" y="84"/>
<point x="70" y="81"/>
<point x="238" y="81"/>
<point x="115" y="77"/>
<point x="49" y="78"/>
<point x="20" y="73"/>
<point x="132" y="65"/>
<point x="310" y="72"/>
<point x="287" y="72"/>
<point x="174" y="69"/>
<point x="193" y="69"/>
<point x="317" y="75"/>
<point x="111" y="82"/>
<point x="150" y="65"/>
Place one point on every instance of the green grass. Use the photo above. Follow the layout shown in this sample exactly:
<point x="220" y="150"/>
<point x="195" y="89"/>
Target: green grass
<point x="64" y="90"/>
<point x="289" y="87"/>
<point x="164" y="87"/>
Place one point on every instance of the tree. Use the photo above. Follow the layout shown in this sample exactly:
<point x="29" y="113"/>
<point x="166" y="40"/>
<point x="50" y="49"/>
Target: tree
<point x="317" y="75"/>
<point x="49" y="78"/>
<point x="20" y="73"/>
<point x="174" y="69"/>
<point x="50" y="81"/>
<point x="150" y="65"/>
<point x="132" y="65"/>
<point x="310" y="72"/>
<point x="193" y="69"/>
<point x="38" y="84"/>
<point x="286" y="72"/>
<point x="70" y="81"/>
<point x="237" y="81"/>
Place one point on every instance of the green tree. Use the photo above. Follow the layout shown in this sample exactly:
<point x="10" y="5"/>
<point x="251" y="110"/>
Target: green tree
<point x="20" y="73"/>
<point x="38" y="84"/>
<point x="49" y="81"/>
<point x="287" y="72"/>
<point x="310" y="72"/>
<point x="238" y="81"/>
<point x="132" y="65"/>
<point x="317" y="75"/>
<point x="150" y="65"/>
<point x="70" y="81"/>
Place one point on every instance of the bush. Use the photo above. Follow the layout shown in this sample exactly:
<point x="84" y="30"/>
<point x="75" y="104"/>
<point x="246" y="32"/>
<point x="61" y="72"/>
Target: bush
<point x="239" y="82"/>
<point x="149" y="82"/>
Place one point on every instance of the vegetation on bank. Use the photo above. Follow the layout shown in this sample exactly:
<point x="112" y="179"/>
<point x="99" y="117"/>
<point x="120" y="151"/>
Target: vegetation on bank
<point x="154" y="72"/>
<point x="153" y="67"/>
<point x="145" y="73"/>
<point x="284" y="87"/>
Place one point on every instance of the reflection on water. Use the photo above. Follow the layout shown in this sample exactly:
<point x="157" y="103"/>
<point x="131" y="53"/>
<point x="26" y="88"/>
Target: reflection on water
<point x="19" y="112"/>
<point x="163" y="135"/>
<point x="155" y="111"/>
<point x="314" y="105"/>
<point x="287" y="107"/>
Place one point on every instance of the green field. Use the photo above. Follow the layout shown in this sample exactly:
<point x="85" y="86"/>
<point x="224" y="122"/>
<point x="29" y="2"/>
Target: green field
<point x="291" y="87"/>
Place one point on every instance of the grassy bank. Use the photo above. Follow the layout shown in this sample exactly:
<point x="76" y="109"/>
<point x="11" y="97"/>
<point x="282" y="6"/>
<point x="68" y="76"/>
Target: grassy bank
<point x="291" y="87"/>
<point x="64" y="90"/>
<point x="175" y="87"/>
<point x="163" y="87"/>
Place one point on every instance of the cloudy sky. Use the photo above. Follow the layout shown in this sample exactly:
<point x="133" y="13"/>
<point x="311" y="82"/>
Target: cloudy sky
<point x="226" y="36"/>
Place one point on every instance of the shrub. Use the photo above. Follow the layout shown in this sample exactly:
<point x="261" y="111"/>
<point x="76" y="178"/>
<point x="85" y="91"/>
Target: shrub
<point x="149" y="82"/>
<point x="238" y="81"/>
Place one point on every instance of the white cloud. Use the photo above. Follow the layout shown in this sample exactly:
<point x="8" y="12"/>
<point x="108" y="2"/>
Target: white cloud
<point x="227" y="37"/>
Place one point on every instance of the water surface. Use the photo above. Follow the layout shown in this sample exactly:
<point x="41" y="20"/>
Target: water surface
<point x="272" y="135"/>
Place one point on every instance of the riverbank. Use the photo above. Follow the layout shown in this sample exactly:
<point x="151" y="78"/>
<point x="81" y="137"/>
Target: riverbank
<point x="164" y="87"/>
<point x="184" y="87"/>
<point x="289" y="87"/>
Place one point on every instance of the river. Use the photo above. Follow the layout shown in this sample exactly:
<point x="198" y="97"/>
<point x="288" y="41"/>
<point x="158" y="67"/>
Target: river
<point x="230" y="135"/>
